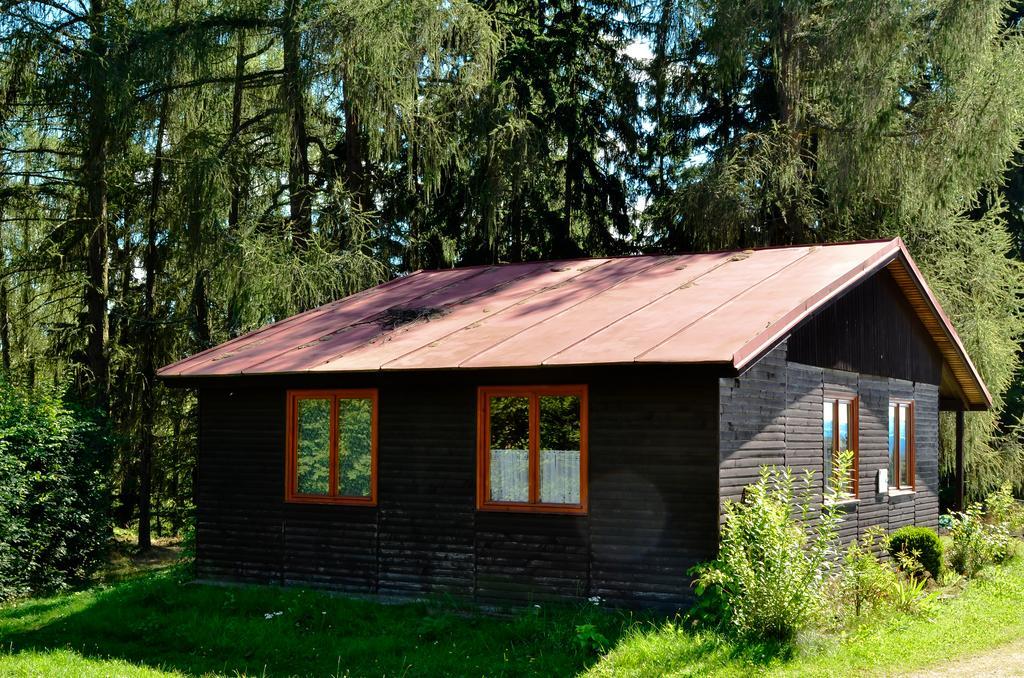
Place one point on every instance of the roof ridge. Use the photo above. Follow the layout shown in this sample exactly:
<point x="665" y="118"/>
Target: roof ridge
<point x="614" y="257"/>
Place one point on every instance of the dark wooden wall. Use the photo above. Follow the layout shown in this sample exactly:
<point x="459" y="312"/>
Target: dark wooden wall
<point x="653" y="494"/>
<point x="869" y="330"/>
<point x="772" y="415"/>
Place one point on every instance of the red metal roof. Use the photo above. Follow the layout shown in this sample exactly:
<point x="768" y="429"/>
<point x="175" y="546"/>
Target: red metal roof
<point x="722" y="307"/>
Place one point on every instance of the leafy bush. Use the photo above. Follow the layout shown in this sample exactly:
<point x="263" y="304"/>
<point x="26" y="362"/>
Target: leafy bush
<point x="921" y="544"/>
<point x="976" y="543"/>
<point x="590" y="640"/>
<point x="909" y="594"/>
<point x="771" y="573"/>
<point x="1002" y="508"/>
<point x="865" y="583"/>
<point x="53" y="508"/>
<point x="983" y="534"/>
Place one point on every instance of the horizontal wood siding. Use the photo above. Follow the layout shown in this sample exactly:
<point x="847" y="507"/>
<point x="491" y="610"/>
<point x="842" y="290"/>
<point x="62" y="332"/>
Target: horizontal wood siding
<point x="772" y="415"/>
<point x="653" y="487"/>
<point x="240" y="535"/>
<point x="753" y="423"/>
<point x="653" y="494"/>
<point x="426" y="490"/>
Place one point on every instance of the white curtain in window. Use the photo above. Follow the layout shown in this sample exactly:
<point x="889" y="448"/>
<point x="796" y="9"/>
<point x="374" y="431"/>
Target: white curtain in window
<point x="560" y="476"/>
<point x="510" y="475"/>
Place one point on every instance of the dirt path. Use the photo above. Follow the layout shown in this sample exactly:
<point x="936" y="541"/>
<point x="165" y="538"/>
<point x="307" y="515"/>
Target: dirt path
<point x="1002" y="662"/>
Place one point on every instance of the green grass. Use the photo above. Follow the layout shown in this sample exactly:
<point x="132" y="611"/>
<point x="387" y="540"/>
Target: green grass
<point x="989" y="613"/>
<point x="160" y="621"/>
<point x="158" y="624"/>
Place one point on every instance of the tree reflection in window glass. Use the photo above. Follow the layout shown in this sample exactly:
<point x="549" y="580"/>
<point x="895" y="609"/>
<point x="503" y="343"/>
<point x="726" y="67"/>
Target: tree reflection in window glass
<point x="905" y="480"/>
<point x="355" y="445"/>
<point x="313" y="446"/>
<point x="509" y="461"/>
<point x="560" y="449"/>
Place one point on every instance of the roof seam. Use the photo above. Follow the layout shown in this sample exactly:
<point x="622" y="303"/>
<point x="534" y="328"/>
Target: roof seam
<point x="280" y="325"/>
<point x="730" y="299"/>
<point x="689" y="281"/>
<point x="526" y="273"/>
<point x="409" y="301"/>
<point x="558" y="313"/>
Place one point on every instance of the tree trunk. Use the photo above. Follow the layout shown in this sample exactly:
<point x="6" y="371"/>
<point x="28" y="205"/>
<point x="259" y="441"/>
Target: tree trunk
<point x="201" y="312"/>
<point x="298" y="141"/>
<point x="787" y="85"/>
<point x="659" y="66"/>
<point x="5" y="327"/>
<point x="232" y="317"/>
<point x="562" y="240"/>
<point x="149" y="348"/>
<point x="5" y="313"/>
<point x="95" y="180"/>
<point x="236" y="124"/>
<point x="355" y="175"/>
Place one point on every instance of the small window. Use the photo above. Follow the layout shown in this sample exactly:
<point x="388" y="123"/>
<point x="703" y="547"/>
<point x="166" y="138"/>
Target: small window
<point x="839" y="434"/>
<point x="532" y="452"/>
<point x="901" y="445"/>
<point x="332" y="447"/>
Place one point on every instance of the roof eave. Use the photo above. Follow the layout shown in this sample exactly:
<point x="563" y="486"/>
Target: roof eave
<point x="895" y="253"/>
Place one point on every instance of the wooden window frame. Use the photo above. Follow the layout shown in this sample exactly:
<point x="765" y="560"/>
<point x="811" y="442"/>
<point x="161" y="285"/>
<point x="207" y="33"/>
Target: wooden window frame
<point x="291" y="493"/>
<point x="854" y="400"/>
<point x="894" y="482"/>
<point x="533" y="393"/>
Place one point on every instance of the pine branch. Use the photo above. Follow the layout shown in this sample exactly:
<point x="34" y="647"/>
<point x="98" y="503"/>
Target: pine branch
<point x="253" y="80"/>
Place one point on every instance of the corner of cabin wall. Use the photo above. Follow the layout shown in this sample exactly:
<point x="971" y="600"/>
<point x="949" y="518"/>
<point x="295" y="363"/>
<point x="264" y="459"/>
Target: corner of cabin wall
<point x="751" y="423"/>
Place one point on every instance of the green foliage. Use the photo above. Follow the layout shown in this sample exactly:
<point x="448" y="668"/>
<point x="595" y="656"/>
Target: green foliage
<point x="53" y="493"/>
<point x="839" y="485"/>
<point x="1003" y="508"/>
<point x="921" y="543"/>
<point x="590" y="640"/>
<point x="163" y="619"/>
<point x="771" y="574"/>
<point x="865" y="583"/>
<point x="354" y="446"/>
<point x="909" y="594"/>
<point x="983" y="534"/>
<point x="159" y="619"/>
<point x="975" y="542"/>
<point x="867" y="119"/>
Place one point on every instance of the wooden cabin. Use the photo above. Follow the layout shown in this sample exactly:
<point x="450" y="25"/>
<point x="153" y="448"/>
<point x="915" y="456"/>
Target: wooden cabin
<point x="567" y="429"/>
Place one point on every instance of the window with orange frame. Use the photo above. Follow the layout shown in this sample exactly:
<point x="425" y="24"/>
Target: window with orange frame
<point x="532" y="449"/>
<point x="332" y="447"/>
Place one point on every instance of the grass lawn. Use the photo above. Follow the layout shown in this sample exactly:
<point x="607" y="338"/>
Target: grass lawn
<point x="158" y="624"/>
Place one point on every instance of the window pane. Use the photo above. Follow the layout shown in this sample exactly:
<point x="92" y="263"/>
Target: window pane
<point x="904" y="457"/>
<point x="893" y="450"/>
<point x="355" y="445"/>
<point x="313" y="446"/>
<point x="827" y="437"/>
<point x="560" y="449"/>
<point x="845" y="442"/>
<point x="843" y="426"/>
<point x="510" y="449"/>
